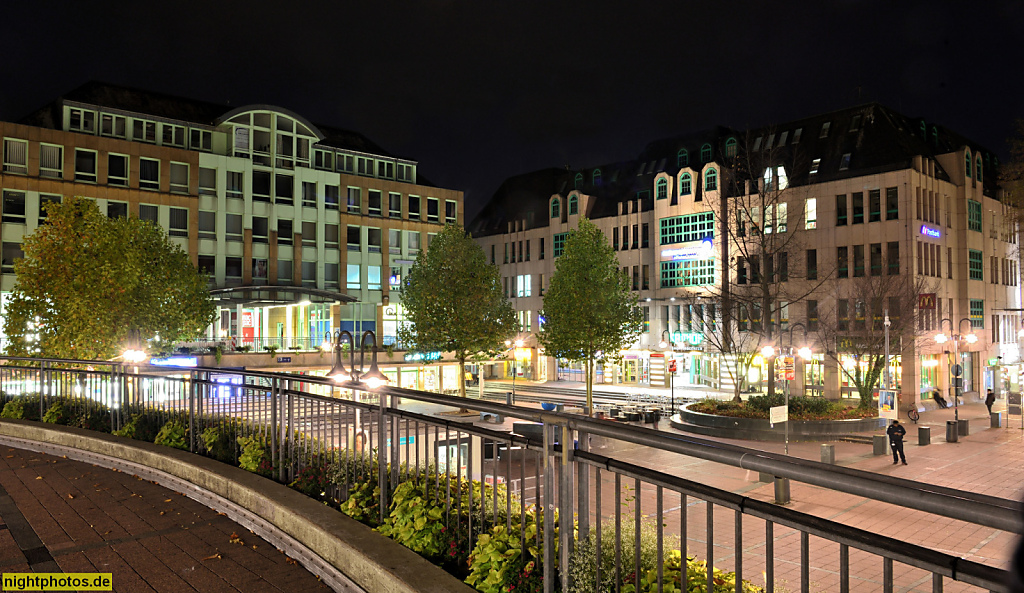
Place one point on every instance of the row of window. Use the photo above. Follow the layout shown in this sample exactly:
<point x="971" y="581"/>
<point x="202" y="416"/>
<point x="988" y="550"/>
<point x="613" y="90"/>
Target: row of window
<point x="874" y="213"/>
<point x="641" y="237"/>
<point x="775" y="269"/>
<point x="521" y="286"/>
<point x="112" y="125"/>
<point x="374" y="236"/>
<point x="375" y="205"/>
<point x="86" y="166"/>
<point x="875" y="268"/>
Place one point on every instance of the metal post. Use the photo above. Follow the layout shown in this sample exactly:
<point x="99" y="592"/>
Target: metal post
<point x="548" y="506"/>
<point x="885" y="375"/>
<point x="382" y="459"/>
<point x="787" y="422"/>
<point x="672" y="388"/>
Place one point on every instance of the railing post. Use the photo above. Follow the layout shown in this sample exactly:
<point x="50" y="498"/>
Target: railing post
<point x="192" y="393"/>
<point x="382" y="458"/>
<point x="42" y="397"/>
<point x="274" y="429"/>
<point x="548" y="506"/>
<point x="583" y="488"/>
<point x="565" y="515"/>
<point x="395" y="449"/>
<point x="292" y="445"/>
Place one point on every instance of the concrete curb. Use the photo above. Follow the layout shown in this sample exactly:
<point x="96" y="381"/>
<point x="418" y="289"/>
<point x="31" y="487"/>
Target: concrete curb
<point x="345" y="553"/>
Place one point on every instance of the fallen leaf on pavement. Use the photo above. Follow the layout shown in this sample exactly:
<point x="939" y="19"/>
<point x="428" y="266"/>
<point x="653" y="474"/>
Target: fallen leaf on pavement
<point x="212" y="557"/>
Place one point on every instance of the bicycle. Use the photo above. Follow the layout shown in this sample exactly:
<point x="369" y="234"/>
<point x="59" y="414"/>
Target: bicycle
<point x="913" y="414"/>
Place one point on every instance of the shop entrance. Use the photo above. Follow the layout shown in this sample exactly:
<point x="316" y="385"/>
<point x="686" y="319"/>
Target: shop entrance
<point x="630" y="369"/>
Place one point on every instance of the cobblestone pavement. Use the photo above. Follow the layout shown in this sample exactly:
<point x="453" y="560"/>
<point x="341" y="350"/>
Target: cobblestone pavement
<point x="59" y="515"/>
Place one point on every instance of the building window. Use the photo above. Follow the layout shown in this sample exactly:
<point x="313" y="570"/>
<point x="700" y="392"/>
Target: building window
<point x="373" y="277"/>
<point x="151" y="213"/>
<point x="117" y="170"/>
<point x="541" y="256"/>
<point x="892" y="203"/>
<point x="874" y="205"/>
<point x="711" y="180"/>
<point x="977" y="313"/>
<point x="974" y="215"/>
<point x="284" y="189"/>
<point x="331" y="236"/>
<point x="893" y="255"/>
<point x="705" y="153"/>
<point x="201" y="140"/>
<point x="686" y="228"/>
<point x="373" y="240"/>
<point x="841" y="210"/>
<point x="978" y="169"/>
<point x="85" y="165"/>
<point x="432" y="210"/>
<point x="395" y="241"/>
<point x="559" y="244"/>
<point x="178" y="222"/>
<point x="450" y="211"/>
<point x="284" y="271"/>
<point x="117" y="209"/>
<point x="395" y="205"/>
<point x="233" y="267"/>
<point x="685" y="184"/>
<point x="595" y="177"/>
<point x="308" y="233"/>
<point x="179" y="178"/>
<point x="811" y="213"/>
<point x="332" y="197"/>
<point x="233" y="189"/>
<point x="975" y="266"/>
<point x="730" y="148"/>
<point x="354" y="200"/>
<point x="824" y="129"/>
<point x="207" y="224"/>
<point x="414" y="207"/>
<point x="573" y="205"/>
<point x="308" y="193"/>
<point x="812" y="316"/>
<point x="412" y="240"/>
<point x="352" y="277"/>
<point x="14" y="207"/>
<point x="683" y="158"/>
<point x="16" y="156"/>
<point x="967" y="163"/>
<point x="556" y="211"/>
<point x="812" y="264"/>
<point x="144" y="131"/>
<point x="844" y="162"/>
<point x="374" y="202"/>
<point x="691" y="273"/>
<point x="843" y="261"/>
<point x="876" y="259"/>
<point x="858" y="207"/>
<point x="523" y="286"/>
<point x="309" y="274"/>
<point x="173" y="135"/>
<point x="405" y="173"/>
<point x="149" y="174"/>
<point x="11" y="252"/>
<point x="858" y="261"/>
<point x="323" y="159"/>
<point x="260" y="230"/>
<point x="285" y="232"/>
<point x="661" y="189"/>
<point x="353" y="238"/>
<point x="577" y="181"/>
<point x="81" y="120"/>
<point x="645" y="240"/>
<point x="45" y="200"/>
<point x="113" y="125"/>
<point x="386" y="169"/>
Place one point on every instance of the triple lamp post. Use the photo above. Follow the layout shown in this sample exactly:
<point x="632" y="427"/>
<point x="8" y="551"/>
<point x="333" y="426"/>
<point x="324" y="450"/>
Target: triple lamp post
<point x="804" y="352"/>
<point x="515" y="363"/>
<point x="970" y="338"/>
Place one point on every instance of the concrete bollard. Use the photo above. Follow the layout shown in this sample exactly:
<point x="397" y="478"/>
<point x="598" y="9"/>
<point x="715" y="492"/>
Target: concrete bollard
<point x="924" y="435"/>
<point x="996" y="420"/>
<point x="781" y="490"/>
<point x="828" y="454"/>
<point x="881" y="444"/>
<point x="963" y="428"/>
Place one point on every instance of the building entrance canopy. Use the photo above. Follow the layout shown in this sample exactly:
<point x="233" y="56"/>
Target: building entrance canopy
<point x="268" y="296"/>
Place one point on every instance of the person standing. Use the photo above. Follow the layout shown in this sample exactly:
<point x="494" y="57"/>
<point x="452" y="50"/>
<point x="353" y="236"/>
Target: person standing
<point x="896" y="433"/>
<point x="990" y="399"/>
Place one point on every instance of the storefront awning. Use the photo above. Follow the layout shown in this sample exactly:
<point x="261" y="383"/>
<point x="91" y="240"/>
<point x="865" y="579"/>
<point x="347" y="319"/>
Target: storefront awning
<point x="268" y="296"/>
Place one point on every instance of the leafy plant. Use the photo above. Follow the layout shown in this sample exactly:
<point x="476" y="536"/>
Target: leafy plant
<point x="173" y="435"/>
<point x="93" y="417"/>
<point x="218" y="353"/>
<point x="272" y="350"/>
<point x="58" y="413"/>
<point x="362" y="503"/>
<point x="22" y="408"/>
<point x="314" y="479"/>
<point x="254" y="455"/>
<point x="219" y="440"/>
<point x="143" y="426"/>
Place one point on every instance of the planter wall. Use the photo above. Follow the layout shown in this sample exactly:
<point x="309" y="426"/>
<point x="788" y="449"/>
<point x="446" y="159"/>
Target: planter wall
<point x="755" y="429"/>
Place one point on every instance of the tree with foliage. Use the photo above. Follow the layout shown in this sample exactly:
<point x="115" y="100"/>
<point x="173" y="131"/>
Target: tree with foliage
<point x="852" y="326"/>
<point x="589" y="310"/>
<point x="454" y="302"/>
<point x="88" y="281"/>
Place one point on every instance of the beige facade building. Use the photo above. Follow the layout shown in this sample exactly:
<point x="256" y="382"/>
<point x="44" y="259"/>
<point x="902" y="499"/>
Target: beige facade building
<point x="847" y="202"/>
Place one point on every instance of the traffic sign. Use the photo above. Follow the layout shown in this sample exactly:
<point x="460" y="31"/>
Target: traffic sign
<point x="956" y="370"/>
<point x="672" y="366"/>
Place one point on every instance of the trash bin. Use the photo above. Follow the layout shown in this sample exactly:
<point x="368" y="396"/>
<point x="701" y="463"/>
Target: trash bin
<point x="781" y="490"/>
<point x="951" y="432"/>
<point x="996" y="420"/>
<point x="881" y="444"/>
<point x="924" y="435"/>
<point x="964" y="429"/>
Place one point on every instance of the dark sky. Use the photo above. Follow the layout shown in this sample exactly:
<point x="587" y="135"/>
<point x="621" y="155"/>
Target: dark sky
<point x="478" y="90"/>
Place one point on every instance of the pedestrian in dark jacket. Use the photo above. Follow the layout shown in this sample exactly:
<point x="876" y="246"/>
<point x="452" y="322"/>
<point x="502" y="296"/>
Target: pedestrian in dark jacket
<point x="896" y="433"/>
<point x="990" y="399"/>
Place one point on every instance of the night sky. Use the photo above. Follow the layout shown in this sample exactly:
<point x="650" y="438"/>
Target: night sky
<point x="481" y="90"/>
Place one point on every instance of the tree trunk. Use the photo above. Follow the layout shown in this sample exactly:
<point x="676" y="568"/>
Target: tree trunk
<point x="590" y="387"/>
<point x="462" y="383"/>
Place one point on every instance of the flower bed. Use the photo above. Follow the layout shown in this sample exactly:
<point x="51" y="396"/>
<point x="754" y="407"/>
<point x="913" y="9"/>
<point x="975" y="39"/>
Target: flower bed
<point x="800" y="408"/>
<point x="430" y="513"/>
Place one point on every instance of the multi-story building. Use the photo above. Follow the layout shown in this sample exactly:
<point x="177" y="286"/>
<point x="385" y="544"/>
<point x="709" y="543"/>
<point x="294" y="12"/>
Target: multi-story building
<point x="847" y="198"/>
<point x="257" y="195"/>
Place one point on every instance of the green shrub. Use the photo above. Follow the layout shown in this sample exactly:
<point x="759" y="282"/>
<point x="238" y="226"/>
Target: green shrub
<point x="58" y="413"/>
<point x="22" y="408"/>
<point x="93" y="417"/>
<point x="415" y="520"/>
<point x="363" y="503"/>
<point x="173" y="434"/>
<point x="495" y="563"/>
<point x="219" y="440"/>
<point x="255" y="455"/>
<point x="314" y="480"/>
<point x="143" y="426"/>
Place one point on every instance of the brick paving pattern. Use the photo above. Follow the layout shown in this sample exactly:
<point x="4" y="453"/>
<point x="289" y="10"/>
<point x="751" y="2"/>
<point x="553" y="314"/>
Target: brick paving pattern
<point x="91" y="519"/>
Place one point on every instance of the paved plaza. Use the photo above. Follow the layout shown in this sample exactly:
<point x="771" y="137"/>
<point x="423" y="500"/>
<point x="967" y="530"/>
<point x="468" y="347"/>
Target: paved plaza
<point x="59" y="515"/>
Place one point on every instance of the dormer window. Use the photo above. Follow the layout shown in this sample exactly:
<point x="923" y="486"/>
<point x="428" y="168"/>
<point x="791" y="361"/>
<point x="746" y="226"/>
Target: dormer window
<point x="824" y="129"/>
<point x="556" y="208"/>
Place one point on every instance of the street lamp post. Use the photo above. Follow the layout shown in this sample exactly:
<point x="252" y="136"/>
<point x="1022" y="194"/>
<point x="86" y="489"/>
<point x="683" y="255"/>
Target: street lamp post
<point x="804" y="352"/>
<point x="669" y="369"/>
<point x="957" y="355"/>
<point x="353" y="378"/>
<point x="515" y="364"/>
<point x="885" y="373"/>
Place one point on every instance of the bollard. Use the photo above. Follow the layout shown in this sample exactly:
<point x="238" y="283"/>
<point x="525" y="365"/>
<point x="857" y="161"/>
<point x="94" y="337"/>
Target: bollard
<point x="964" y="428"/>
<point x="996" y="420"/>
<point x="828" y="454"/>
<point x="951" y="436"/>
<point x="924" y="435"/>
<point x="881" y="444"/>
<point x="781" y="490"/>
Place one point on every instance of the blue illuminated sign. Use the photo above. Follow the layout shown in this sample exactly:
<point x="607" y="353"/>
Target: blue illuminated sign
<point x="930" y="232"/>
<point x="691" y="338"/>
<point x="175" y="361"/>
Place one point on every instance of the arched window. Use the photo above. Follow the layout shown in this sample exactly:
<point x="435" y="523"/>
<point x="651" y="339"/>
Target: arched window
<point x="683" y="158"/>
<point x="556" y="210"/>
<point x="685" y="184"/>
<point x="730" y="148"/>
<point x="967" y="162"/>
<point x="935" y="135"/>
<point x="978" y="169"/>
<point x="705" y="153"/>
<point x="924" y="129"/>
<point x="578" y="181"/>
<point x="595" y="178"/>
<point x="711" y="180"/>
<point x="661" y="189"/>
<point x="573" y="204"/>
